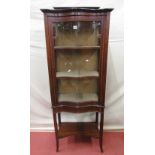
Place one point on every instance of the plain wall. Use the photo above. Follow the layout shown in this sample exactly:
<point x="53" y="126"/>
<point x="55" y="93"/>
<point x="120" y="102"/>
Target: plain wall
<point x="41" y="113"/>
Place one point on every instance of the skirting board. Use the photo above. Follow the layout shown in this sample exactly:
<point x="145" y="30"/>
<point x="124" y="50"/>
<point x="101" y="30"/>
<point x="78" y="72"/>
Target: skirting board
<point x="47" y="128"/>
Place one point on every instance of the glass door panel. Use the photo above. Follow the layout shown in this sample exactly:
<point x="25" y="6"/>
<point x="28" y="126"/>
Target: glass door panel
<point x="77" y="63"/>
<point x="77" y="48"/>
<point x="77" y="33"/>
<point x="72" y="90"/>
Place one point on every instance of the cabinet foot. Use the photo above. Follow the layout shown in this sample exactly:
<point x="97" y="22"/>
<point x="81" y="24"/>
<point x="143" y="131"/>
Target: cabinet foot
<point x="57" y="145"/>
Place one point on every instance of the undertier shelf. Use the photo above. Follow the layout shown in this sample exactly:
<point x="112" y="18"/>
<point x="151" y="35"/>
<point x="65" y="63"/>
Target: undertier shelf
<point x="77" y="98"/>
<point x="77" y="74"/>
<point x="78" y="128"/>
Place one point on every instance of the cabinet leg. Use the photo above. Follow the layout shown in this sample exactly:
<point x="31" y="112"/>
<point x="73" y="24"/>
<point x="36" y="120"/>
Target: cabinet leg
<point x="101" y="147"/>
<point x="59" y="118"/>
<point x="101" y="132"/>
<point x="57" y="144"/>
<point x="56" y="131"/>
<point x="97" y="117"/>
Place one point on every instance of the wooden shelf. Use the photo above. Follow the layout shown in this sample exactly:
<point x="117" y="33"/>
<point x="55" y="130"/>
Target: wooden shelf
<point x="98" y="36"/>
<point x="75" y="47"/>
<point x="77" y="74"/>
<point x="78" y="128"/>
<point x="78" y="98"/>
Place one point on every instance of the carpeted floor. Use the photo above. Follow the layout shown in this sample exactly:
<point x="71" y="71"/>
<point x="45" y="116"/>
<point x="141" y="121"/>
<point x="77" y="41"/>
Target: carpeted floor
<point x="43" y="143"/>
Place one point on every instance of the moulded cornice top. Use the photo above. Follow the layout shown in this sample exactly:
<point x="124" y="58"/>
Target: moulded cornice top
<point x="77" y="9"/>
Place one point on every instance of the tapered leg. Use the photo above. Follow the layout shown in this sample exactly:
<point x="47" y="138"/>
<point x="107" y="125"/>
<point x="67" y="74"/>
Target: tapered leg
<point x="57" y="144"/>
<point x="56" y="131"/>
<point x="101" y="132"/>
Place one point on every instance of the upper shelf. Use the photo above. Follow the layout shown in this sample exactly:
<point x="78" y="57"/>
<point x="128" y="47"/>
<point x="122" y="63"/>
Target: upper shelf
<point x="76" y="47"/>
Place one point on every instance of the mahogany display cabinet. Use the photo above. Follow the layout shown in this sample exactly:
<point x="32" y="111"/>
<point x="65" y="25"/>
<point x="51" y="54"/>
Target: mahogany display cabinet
<point x="77" y="46"/>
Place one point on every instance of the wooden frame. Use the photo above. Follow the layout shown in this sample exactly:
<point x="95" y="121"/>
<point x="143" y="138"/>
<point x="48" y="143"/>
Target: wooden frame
<point x="63" y="129"/>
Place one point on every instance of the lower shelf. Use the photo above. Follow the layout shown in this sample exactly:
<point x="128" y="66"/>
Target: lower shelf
<point x="78" y="128"/>
<point x="77" y="74"/>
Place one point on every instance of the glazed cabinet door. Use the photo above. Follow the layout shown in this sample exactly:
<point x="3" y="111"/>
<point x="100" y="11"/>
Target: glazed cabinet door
<point x="76" y="47"/>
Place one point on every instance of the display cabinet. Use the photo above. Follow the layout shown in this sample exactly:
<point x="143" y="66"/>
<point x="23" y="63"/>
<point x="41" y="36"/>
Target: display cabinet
<point x="77" y="44"/>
